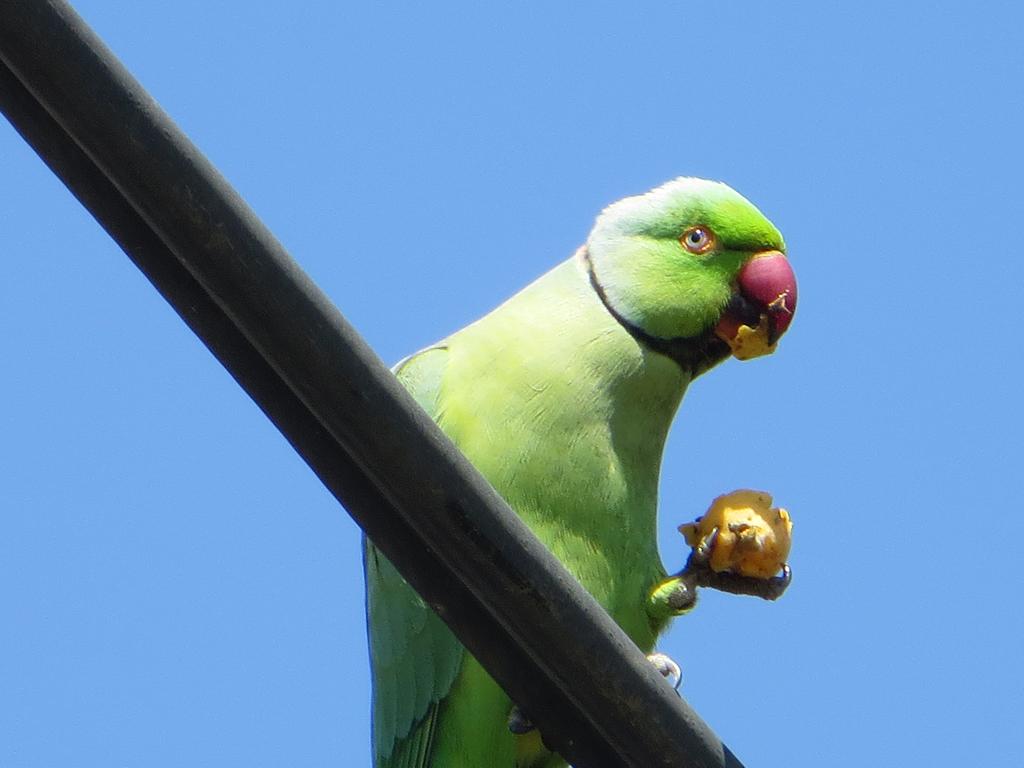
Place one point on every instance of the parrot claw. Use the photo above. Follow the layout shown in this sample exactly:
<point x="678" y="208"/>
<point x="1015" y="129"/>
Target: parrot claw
<point x="518" y="723"/>
<point x="781" y="583"/>
<point x="701" y="555"/>
<point x="667" y="668"/>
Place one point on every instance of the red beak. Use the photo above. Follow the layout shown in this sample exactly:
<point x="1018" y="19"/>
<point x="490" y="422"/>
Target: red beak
<point x="765" y="299"/>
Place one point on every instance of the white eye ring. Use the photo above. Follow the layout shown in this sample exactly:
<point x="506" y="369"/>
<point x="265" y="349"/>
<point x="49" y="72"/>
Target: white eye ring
<point x="697" y="240"/>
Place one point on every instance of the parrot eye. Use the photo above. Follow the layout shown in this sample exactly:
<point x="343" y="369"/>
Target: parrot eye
<point x="698" y="240"/>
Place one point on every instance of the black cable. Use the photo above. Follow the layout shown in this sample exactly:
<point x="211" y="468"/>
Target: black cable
<point x="544" y="639"/>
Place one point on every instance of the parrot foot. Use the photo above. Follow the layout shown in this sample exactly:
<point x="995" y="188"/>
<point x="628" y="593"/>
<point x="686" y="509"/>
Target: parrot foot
<point x="667" y="668"/>
<point x="698" y="573"/>
<point x="677" y="594"/>
<point x="519" y="724"/>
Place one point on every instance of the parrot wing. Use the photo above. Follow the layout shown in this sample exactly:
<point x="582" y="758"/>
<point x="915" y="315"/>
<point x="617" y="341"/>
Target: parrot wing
<point x="414" y="656"/>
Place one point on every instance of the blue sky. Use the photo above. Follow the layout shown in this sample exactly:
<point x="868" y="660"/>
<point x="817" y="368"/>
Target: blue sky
<point x="178" y="589"/>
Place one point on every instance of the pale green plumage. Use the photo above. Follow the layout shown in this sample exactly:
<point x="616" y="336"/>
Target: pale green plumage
<point x="566" y="413"/>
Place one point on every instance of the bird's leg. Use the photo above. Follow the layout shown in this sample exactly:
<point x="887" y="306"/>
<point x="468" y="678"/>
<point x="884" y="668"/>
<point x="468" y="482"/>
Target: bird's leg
<point x="674" y="596"/>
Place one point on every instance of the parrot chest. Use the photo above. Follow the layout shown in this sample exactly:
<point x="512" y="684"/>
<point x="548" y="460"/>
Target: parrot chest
<point x="580" y="465"/>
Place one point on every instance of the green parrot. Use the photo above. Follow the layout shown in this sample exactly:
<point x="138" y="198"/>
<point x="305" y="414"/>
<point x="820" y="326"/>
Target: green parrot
<point x="562" y="397"/>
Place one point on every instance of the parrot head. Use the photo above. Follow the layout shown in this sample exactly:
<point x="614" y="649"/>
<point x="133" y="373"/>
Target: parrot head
<point x="694" y="270"/>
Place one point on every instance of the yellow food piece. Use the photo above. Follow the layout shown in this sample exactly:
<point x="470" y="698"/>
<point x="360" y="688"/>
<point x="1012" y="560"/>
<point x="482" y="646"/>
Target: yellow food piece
<point x="750" y="342"/>
<point x="753" y="537"/>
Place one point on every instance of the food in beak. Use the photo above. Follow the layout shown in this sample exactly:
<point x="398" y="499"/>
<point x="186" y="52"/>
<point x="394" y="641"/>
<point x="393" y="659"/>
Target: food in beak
<point x="762" y="307"/>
